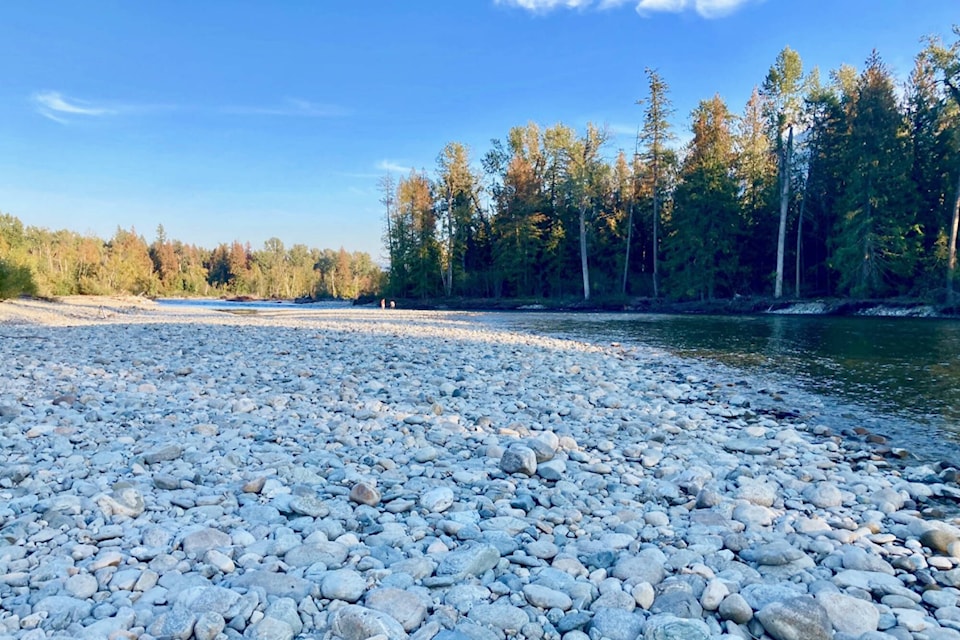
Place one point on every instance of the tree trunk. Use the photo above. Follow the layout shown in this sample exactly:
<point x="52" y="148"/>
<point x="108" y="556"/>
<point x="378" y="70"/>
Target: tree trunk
<point x="448" y="271"/>
<point x="952" y="248"/>
<point x="803" y="203"/>
<point x="656" y="240"/>
<point x="626" y="253"/>
<point x="784" y="206"/>
<point x="583" y="252"/>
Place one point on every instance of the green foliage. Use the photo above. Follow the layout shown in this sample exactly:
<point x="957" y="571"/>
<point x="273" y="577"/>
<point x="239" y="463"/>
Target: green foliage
<point x="876" y="248"/>
<point x="459" y="224"/>
<point x="15" y="280"/>
<point x="756" y="172"/>
<point x="945" y="61"/>
<point x="825" y="157"/>
<point x="415" y="252"/>
<point x="856" y="187"/>
<point x="40" y="262"/>
<point x="702" y="245"/>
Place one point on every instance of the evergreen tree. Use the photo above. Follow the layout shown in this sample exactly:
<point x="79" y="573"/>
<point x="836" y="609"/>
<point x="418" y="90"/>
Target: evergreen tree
<point x="655" y="137"/>
<point x="756" y="172"/>
<point x="929" y="174"/>
<point x="826" y="139"/>
<point x="947" y="62"/>
<point x="417" y="225"/>
<point x="874" y="255"/>
<point x="701" y="248"/>
<point x="165" y="263"/>
<point x="560" y="252"/>
<point x="517" y="229"/>
<point x="457" y="199"/>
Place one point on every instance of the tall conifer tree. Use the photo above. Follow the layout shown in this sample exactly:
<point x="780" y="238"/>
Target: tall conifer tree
<point x="874" y="252"/>
<point x="701" y="251"/>
<point x="655" y="137"/>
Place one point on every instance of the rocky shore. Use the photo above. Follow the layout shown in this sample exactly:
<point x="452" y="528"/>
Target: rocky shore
<point x="363" y="474"/>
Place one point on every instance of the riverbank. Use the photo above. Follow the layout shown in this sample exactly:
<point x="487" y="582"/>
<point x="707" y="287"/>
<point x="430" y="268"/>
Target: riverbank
<point x="177" y="473"/>
<point x="735" y="306"/>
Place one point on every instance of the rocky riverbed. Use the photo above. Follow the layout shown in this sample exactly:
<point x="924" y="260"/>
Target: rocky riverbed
<point x="360" y="474"/>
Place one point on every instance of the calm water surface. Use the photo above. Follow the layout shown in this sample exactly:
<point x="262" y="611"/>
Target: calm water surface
<point x="904" y="373"/>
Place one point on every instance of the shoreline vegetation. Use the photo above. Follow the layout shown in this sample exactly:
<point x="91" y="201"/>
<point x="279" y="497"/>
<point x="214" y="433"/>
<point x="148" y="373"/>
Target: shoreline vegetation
<point x="906" y="308"/>
<point x="41" y="262"/>
<point x="181" y="472"/>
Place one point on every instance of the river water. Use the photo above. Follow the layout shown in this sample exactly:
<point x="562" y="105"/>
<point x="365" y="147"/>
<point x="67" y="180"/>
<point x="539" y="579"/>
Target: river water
<point x="896" y="376"/>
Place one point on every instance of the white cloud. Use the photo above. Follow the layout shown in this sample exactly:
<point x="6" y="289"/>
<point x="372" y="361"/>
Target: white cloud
<point x="53" y="105"/>
<point x="620" y="129"/>
<point x="670" y="6"/>
<point x="291" y="107"/>
<point x="392" y="167"/>
<point x="540" y="6"/>
<point x="706" y="8"/>
<point x="59" y="108"/>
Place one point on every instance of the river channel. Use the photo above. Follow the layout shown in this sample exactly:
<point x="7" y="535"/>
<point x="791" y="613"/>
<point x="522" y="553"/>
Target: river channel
<point x="898" y="376"/>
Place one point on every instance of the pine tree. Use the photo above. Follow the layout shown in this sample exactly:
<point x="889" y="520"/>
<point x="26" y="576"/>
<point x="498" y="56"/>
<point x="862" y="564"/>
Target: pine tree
<point x="756" y="171"/>
<point x="655" y="137"/>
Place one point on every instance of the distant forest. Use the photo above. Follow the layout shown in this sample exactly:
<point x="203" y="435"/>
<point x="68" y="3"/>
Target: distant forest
<point x="54" y="263"/>
<point x="846" y="185"/>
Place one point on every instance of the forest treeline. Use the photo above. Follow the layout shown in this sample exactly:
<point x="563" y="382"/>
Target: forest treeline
<point x="844" y="185"/>
<point x="38" y="261"/>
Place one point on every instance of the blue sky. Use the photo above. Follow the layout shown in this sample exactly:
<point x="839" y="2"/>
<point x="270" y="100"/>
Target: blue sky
<point x="244" y="120"/>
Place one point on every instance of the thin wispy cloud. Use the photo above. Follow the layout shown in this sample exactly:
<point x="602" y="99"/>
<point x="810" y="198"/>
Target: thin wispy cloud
<point x="705" y="8"/>
<point x="55" y="106"/>
<point x="620" y="129"/>
<point x="291" y="107"/>
<point x="63" y="109"/>
<point x="543" y="6"/>
<point x="392" y="167"/>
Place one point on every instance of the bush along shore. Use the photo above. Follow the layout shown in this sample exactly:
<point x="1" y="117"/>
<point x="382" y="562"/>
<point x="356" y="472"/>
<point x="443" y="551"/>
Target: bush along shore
<point x="354" y="474"/>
